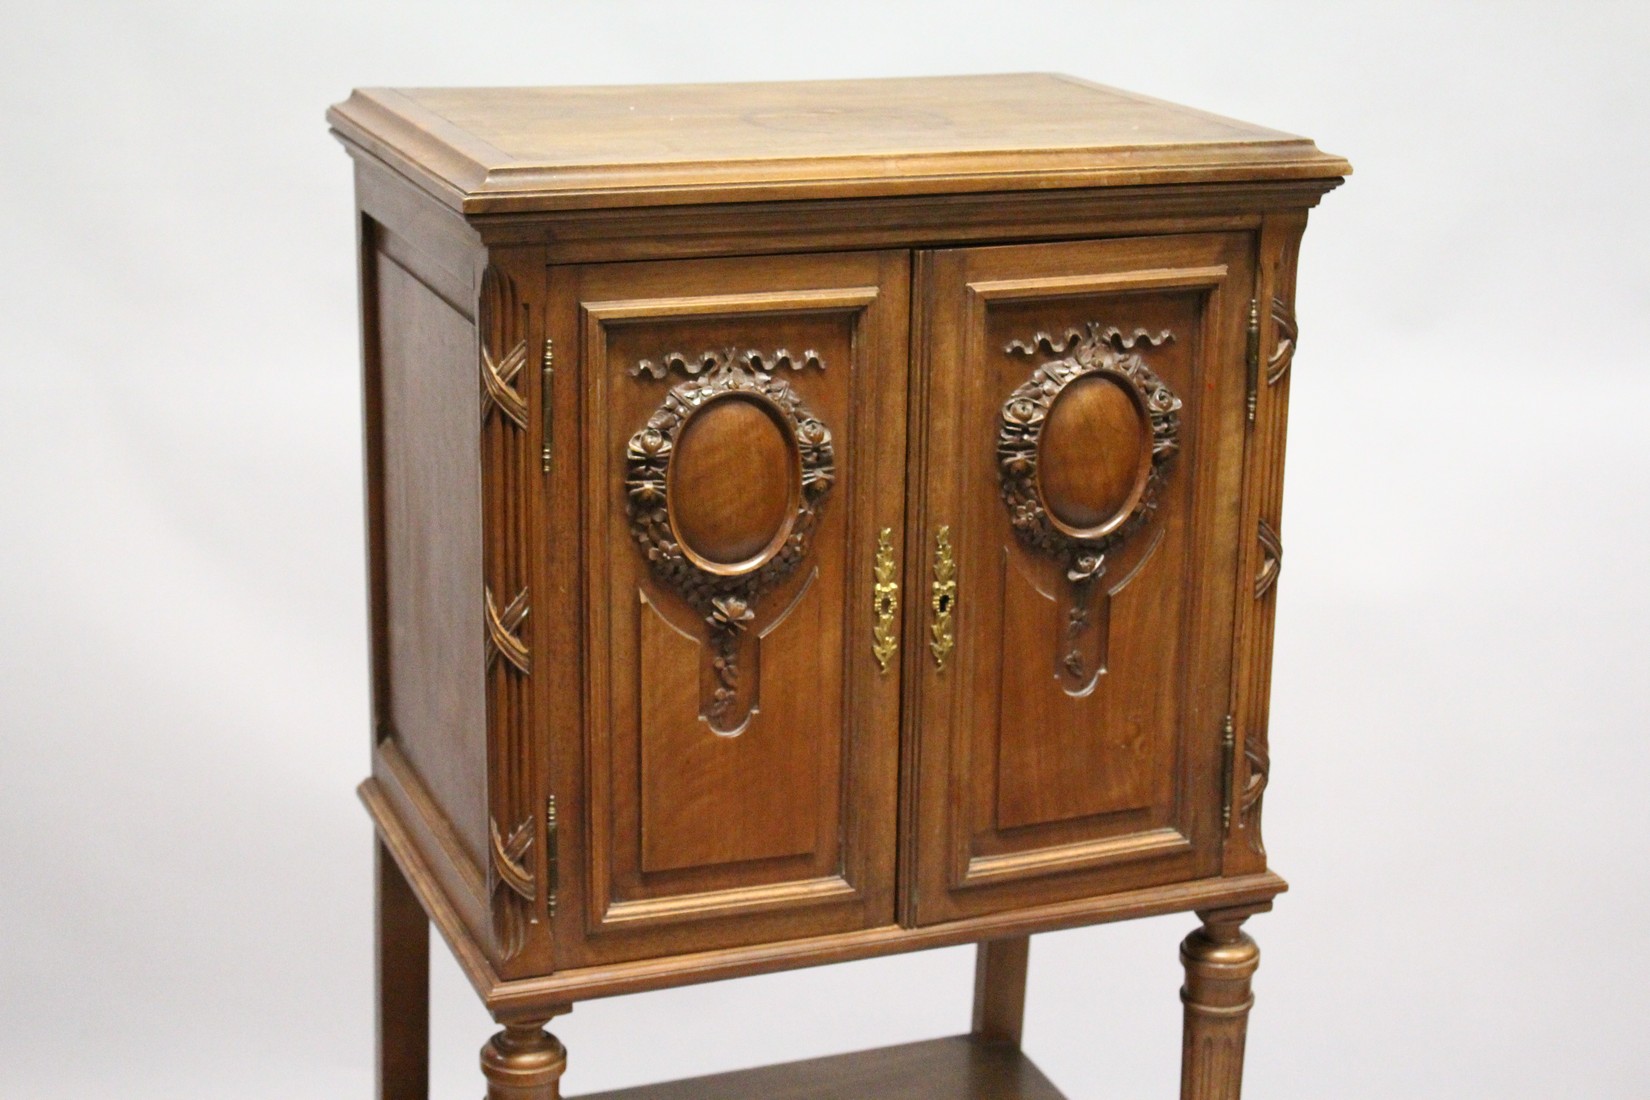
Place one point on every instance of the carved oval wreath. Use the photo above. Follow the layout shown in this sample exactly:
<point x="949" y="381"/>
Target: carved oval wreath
<point x="1093" y="352"/>
<point x="725" y="593"/>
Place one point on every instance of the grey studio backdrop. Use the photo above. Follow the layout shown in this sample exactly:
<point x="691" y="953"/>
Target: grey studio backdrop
<point x="1459" y="730"/>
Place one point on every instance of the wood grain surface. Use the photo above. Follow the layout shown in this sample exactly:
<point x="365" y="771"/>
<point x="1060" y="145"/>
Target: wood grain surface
<point x="489" y="150"/>
<point x="1073" y="747"/>
<point x="961" y="1068"/>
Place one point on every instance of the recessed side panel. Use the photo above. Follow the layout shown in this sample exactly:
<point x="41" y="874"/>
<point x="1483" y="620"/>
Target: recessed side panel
<point x="742" y="422"/>
<point x="431" y="496"/>
<point x="1086" y="437"/>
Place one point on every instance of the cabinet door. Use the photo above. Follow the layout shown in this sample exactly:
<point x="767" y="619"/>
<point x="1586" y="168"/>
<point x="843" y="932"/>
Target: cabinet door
<point x="743" y="453"/>
<point x="1083" y="415"/>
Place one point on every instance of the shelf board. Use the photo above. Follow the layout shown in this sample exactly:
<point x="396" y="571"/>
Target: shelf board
<point x="960" y="1068"/>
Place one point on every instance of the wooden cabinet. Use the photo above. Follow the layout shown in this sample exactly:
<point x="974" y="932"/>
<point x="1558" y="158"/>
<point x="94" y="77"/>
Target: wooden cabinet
<point x="810" y="522"/>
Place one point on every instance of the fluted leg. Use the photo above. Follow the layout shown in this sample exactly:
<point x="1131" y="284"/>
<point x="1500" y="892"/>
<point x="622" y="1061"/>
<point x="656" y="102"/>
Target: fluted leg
<point x="523" y="1062"/>
<point x="1219" y="960"/>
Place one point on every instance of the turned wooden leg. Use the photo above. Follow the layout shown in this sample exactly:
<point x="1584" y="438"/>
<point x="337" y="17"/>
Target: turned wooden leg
<point x="1219" y="960"/>
<point x="1000" y="989"/>
<point x="403" y="966"/>
<point x="524" y="1062"/>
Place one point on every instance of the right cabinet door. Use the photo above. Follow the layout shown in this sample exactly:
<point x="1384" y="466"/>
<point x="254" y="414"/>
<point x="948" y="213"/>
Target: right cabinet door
<point x="1080" y="417"/>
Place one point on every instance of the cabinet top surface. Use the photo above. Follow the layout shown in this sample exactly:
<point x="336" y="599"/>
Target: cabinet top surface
<point x="495" y="150"/>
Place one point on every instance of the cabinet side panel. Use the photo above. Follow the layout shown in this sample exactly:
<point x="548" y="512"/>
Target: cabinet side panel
<point x="432" y="545"/>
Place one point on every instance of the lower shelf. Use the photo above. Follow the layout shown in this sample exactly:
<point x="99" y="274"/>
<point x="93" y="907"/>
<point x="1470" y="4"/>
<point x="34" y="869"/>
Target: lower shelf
<point x="963" y="1068"/>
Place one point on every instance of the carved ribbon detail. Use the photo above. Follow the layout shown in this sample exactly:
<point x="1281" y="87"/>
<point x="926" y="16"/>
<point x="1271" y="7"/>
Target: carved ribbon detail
<point x="1283" y="351"/>
<point x="1260" y="763"/>
<point x="503" y="348"/>
<point x="515" y="883"/>
<point x="510" y="855"/>
<point x="502" y="637"/>
<point x="1076" y="339"/>
<point x="1271" y="558"/>
<point x="496" y="379"/>
<point x="502" y="327"/>
<point x="725" y="600"/>
<point x="716" y="362"/>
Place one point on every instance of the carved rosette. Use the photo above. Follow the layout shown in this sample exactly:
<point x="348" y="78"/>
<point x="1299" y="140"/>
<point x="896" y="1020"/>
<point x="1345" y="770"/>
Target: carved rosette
<point x="1077" y="359"/>
<point x="505" y="608"/>
<point x="725" y="594"/>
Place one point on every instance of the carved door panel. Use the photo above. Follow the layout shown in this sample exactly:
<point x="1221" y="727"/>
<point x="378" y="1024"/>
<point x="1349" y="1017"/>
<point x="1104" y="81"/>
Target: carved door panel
<point x="1084" y="424"/>
<point x="744" y="448"/>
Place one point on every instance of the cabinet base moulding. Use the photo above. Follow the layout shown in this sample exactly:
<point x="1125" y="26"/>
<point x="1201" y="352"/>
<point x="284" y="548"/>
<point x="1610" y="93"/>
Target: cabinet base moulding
<point x="525" y="998"/>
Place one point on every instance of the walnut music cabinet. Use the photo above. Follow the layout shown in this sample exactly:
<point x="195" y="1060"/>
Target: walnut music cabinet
<point x="817" y="521"/>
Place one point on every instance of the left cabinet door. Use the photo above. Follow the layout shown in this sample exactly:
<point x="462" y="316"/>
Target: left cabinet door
<point x="742" y="482"/>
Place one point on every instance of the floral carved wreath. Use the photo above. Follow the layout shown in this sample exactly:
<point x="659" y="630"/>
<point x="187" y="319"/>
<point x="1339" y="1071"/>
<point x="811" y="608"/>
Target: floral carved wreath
<point x="1081" y="353"/>
<point x="726" y="599"/>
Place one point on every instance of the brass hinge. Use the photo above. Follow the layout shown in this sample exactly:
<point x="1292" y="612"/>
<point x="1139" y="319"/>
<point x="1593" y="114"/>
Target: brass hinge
<point x="544" y="396"/>
<point x="1252" y="361"/>
<point x="552" y="873"/>
<point x="1228" y="748"/>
